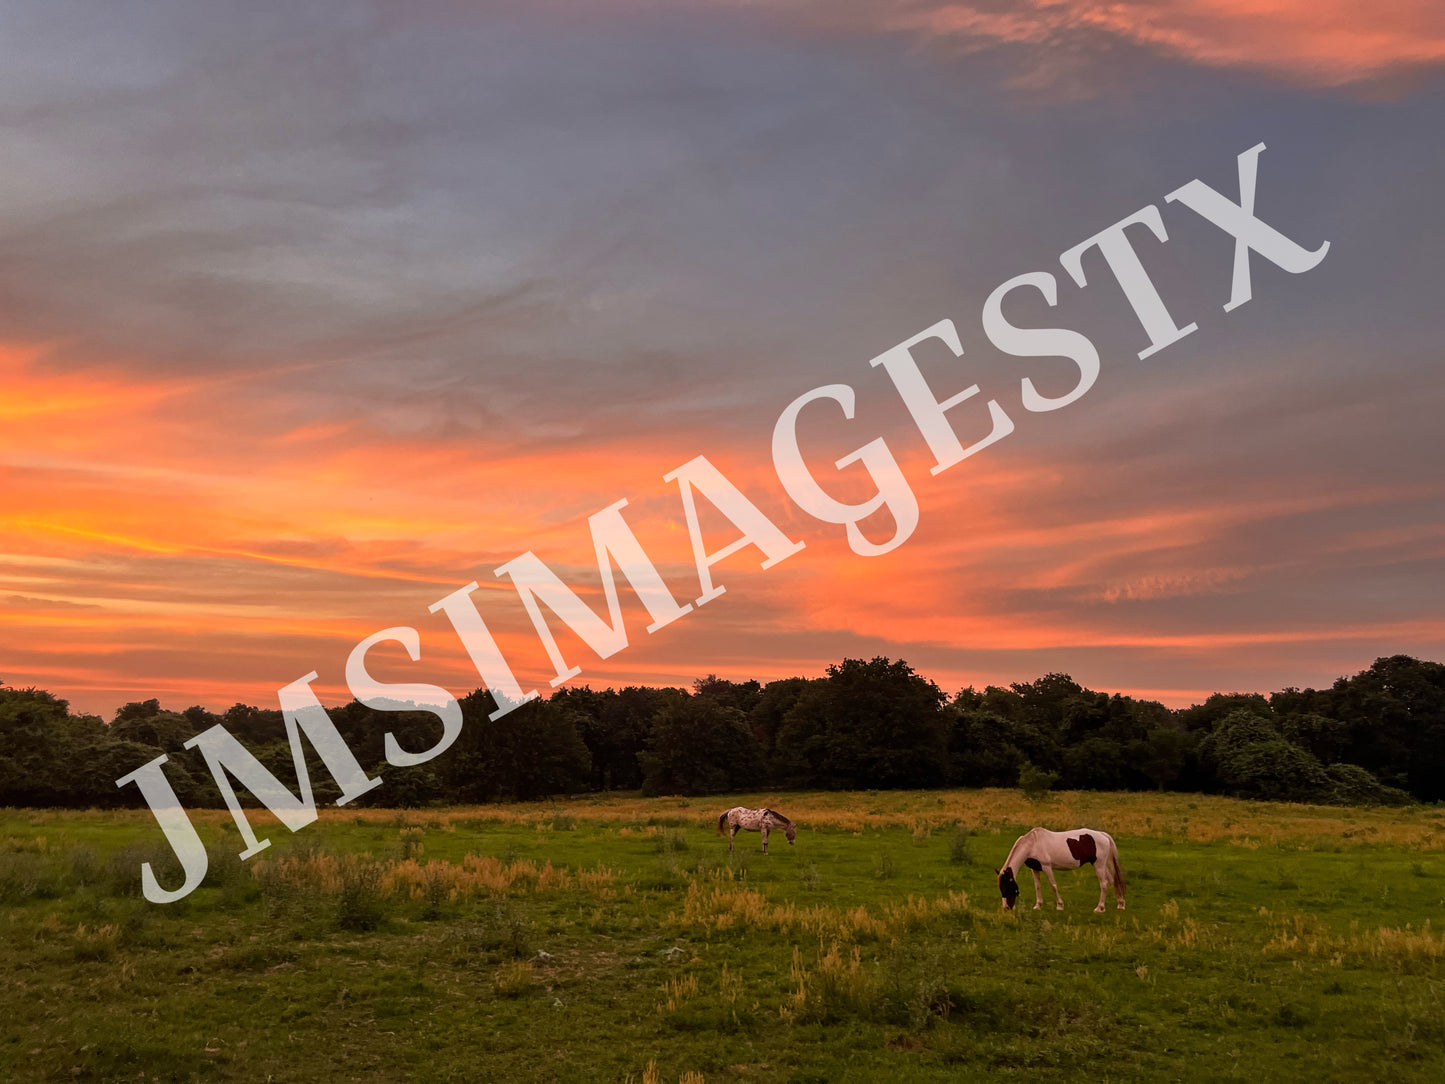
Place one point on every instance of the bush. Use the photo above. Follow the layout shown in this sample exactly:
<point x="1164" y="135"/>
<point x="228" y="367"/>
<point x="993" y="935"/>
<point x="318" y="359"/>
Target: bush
<point x="958" y="848"/>
<point x="1274" y="768"/>
<point x="513" y="979"/>
<point x="224" y="867"/>
<point x="25" y="876"/>
<point x="1036" y="783"/>
<point x="437" y="892"/>
<point x="912" y="987"/>
<point x="666" y="876"/>
<point x="96" y="943"/>
<point x="500" y="929"/>
<point x="838" y="986"/>
<point x="122" y="873"/>
<point x="360" y="905"/>
<point x="1352" y="785"/>
<point x="85" y="868"/>
<point x="411" y="843"/>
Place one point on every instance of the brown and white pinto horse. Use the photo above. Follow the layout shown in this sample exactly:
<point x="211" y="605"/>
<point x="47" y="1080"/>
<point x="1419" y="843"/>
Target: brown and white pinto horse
<point x="754" y="820"/>
<point x="1041" y="851"/>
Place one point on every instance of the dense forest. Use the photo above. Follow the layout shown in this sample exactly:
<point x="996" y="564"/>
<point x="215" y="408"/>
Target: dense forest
<point x="1377" y="737"/>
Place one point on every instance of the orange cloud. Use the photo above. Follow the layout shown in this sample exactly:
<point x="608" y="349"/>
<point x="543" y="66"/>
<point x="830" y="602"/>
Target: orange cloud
<point x="1318" y="42"/>
<point x="141" y="561"/>
<point x="144" y="550"/>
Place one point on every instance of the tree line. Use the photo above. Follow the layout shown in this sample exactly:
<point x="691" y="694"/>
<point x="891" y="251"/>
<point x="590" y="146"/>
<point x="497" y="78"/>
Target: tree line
<point x="1376" y="737"/>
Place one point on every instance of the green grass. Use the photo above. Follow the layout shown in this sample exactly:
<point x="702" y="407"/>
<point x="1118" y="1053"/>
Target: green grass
<point x="368" y="946"/>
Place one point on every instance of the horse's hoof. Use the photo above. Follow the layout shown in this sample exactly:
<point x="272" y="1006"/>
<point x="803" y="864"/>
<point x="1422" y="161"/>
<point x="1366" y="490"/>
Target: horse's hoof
<point x="1058" y="907"/>
<point x="1099" y="910"/>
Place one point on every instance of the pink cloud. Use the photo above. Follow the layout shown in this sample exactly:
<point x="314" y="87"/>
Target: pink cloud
<point x="1316" y="42"/>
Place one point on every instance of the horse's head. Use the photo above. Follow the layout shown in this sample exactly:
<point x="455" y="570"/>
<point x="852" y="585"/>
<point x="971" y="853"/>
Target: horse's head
<point x="791" y="831"/>
<point x="1008" y="887"/>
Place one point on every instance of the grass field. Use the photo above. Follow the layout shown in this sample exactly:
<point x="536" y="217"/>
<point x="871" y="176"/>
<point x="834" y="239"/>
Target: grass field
<point x="615" y="939"/>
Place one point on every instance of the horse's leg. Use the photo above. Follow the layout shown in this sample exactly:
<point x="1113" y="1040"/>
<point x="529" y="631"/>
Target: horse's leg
<point x="732" y="834"/>
<point x="1115" y="877"/>
<point x="764" y="831"/>
<point x="1101" y="868"/>
<point x="1038" y="890"/>
<point x="1058" y="899"/>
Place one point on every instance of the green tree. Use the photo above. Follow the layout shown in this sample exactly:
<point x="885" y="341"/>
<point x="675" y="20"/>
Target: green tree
<point x="533" y="751"/>
<point x="1251" y="759"/>
<point x="1395" y="712"/>
<point x="869" y="724"/>
<point x="1160" y="755"/>
<point x="699" y="746"/>
<point x="615" y="726"/>
<point x="983" y="750"/>
<point x="777" y="699"/>
<point x="743" y="695"/>
<point x="1205" y="716"/>
<point x="1274" y="769"/>
<point x="1328" y="739"/>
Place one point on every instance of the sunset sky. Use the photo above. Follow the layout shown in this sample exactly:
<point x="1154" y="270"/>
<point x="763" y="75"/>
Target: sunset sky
<point x="312" y="314"/>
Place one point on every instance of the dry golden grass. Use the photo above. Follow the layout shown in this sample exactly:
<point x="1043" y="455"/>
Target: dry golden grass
<point x="1302" y="934"/>
<point x="477" y="877"/>
<point x="95" y="943"/>
<point x="513" y="979"/>
<point x="1184" y="817"/>
<point x="839" y="983"/>
<point x="718" y="903"/>
<point x="1173" y="932"/>
<point x="730" y="987"/>
<point x="24" y="845"/>
<point x="677" y="992"/>
<point x="51" y="926"/>
<point x="1195" y="818"/>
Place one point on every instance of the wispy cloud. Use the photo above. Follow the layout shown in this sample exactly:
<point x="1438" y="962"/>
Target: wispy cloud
<point x="1324" y="43"/>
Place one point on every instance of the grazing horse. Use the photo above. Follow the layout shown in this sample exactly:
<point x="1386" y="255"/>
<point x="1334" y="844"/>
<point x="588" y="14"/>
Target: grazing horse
<point x="754" y="820"/>
<point x="1041" y="850"/>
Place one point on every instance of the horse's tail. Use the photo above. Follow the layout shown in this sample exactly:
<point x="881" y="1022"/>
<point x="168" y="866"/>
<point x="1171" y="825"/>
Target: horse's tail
<point x="722" y="825"/>
<point x="1122" y="886"/>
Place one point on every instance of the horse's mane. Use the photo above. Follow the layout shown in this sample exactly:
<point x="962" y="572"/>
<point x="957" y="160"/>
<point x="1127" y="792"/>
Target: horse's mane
<point x="1018" y="844"/>
<point x="780" y="817"/>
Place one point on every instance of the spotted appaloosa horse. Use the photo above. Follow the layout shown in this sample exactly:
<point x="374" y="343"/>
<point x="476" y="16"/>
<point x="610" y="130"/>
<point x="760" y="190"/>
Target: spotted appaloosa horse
<point x="1041" y="851"/>
<point x="754" y="820"/>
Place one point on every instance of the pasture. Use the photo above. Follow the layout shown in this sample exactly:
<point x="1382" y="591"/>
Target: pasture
<point x="615" y="939"/>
